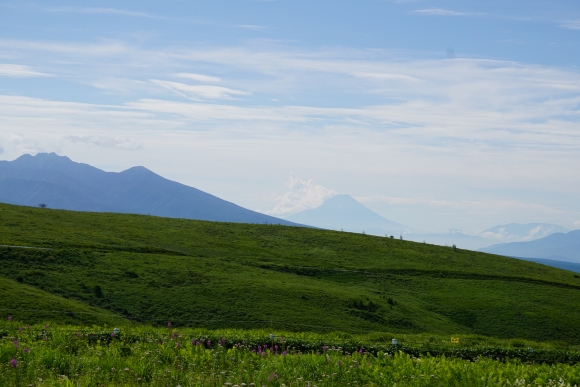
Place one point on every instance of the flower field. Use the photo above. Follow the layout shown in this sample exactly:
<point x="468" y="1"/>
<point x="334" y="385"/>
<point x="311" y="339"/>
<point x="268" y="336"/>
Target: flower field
<point x="46" y="355"/>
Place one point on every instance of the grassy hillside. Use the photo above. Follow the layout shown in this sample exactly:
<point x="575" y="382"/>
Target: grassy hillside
<point x="250" y="276"/>
<point x="31" y="305"/>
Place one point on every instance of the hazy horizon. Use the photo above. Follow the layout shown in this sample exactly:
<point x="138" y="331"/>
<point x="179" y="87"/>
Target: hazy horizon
<point x="436" y="114"/>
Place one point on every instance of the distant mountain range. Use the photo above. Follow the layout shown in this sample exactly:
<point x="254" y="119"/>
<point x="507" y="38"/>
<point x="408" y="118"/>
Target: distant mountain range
<point x="343" y="212"/>
<point x="556" y="247"/>
<point x="61" y="183"/>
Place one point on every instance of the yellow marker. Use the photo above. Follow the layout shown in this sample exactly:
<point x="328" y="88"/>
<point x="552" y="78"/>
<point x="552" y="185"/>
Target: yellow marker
<point x="455" y="340"/>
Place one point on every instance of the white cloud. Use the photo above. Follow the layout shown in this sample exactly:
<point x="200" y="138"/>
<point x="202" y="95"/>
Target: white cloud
<point x="252" y="27"/>
<point x="107" y="142"/>
<point x="571" y="24"/>
<point x="388" y="77"/>
<point x="576" y="225"/>
<point x="1" y="149"/>
<point x="20" y="71"/>
<point x="199" y="77"/>
<point x="443" y="12"/>
<point x="199" y="91"/>
<point x="303" y="195"/>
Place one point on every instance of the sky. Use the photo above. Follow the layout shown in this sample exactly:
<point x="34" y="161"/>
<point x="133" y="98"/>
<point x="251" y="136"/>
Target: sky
<point x="437" y="114"/>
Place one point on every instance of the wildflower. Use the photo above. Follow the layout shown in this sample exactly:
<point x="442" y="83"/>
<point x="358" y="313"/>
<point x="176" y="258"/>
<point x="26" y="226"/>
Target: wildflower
<point x="46" y="326"/>
<point x="284" y="353"/>
<point x="26" y="350"/>
<point x="28" y="327"/>
<point x="9" y="319"/>
<point x="16" y="343"/>
<point x="324" y="348"/>
<point x="13" y="363"/>
<point x="168" y="324"/>
<point x="360" y="351"/>
<point x="113" y="334"/>
<point x="126" y="369"/>
<point x="20" y="329"/>
<point x="178" y="345"/>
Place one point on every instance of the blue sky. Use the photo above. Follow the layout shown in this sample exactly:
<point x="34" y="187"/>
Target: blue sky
<point x="436" y="114"/>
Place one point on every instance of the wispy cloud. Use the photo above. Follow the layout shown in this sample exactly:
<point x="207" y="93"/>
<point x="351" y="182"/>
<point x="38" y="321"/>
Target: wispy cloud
<point x="571" y="24"/>
<point x="444" y="12"/>
<point x="20" y="71"/>
<point x="107" y="142"/>
<point x="199" y="77"/>
<point x="387" y="77"/>
<point x="199" y="91"/>
<point x="104" y="11"/>
<point x="252" y="27"/>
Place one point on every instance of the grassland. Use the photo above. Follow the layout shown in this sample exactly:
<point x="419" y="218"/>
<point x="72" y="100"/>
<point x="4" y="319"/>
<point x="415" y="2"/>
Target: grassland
<point x="134" y="356"/>
<point x="219" y="275"/>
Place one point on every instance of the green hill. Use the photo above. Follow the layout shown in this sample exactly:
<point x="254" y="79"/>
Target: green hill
<point x="30" y="305"/>
<point x="217" y="275"/>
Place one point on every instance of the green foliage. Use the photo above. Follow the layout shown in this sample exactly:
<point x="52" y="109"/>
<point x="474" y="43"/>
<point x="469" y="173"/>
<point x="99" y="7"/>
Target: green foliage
<point x="77" y="356"/>
<point x="228" y="275"/>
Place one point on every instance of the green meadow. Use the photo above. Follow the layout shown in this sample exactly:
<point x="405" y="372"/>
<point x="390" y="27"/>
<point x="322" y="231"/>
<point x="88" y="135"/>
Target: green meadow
<point x="86" y="273"/>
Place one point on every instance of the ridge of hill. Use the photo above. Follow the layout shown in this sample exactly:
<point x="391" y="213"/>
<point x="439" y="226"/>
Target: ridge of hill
<point x="234" y="275"/>
<point x="558" y="247"/>
<point x="63" y="184"/>
<point x="343" y="212"/>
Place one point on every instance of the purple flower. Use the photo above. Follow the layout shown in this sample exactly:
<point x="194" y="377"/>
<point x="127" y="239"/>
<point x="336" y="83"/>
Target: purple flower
<point x="168" y="324"/>
<point x="276" y="376"/>
<point x="9" y="318"/>
<point x="26" y="350"/>
<point x="16" y="343"/>
<point x="276" y="347"/>
<point x="284" y="353"/>
<point x="28" y="327"/>
<point x="46" y="326"/>
<point x="13" y="363"/>
<point x="324" y="348"/>
<point x="197" y="343"/>
<point x="360" y="351"/>
<point x="239" y="345"/>
<point x="20" y="329"/>
<point x="208" y="343"/>
<point x="178" y="345"/>
<point x="113" y="334"/>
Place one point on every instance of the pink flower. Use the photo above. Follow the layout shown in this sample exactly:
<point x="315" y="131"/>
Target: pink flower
<point x="13" y="363"/>
<point x="26" y="350"/>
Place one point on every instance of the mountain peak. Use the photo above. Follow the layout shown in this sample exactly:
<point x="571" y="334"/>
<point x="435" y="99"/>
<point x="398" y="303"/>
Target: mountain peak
<point x="343" y="212"/>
